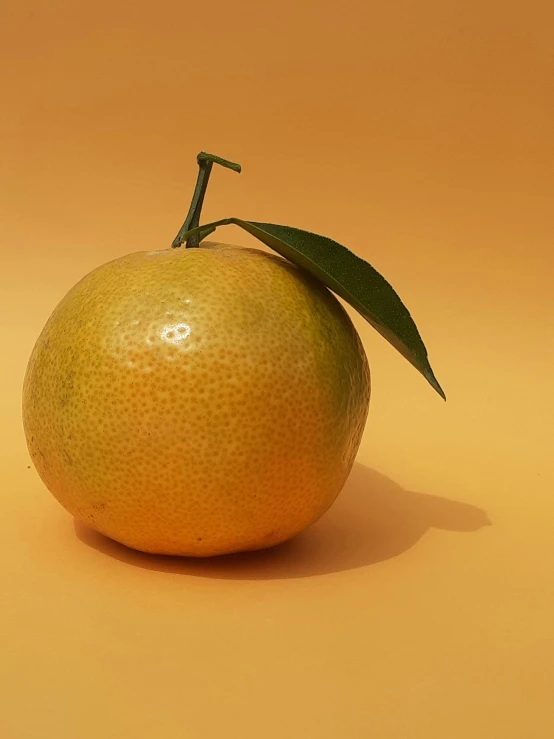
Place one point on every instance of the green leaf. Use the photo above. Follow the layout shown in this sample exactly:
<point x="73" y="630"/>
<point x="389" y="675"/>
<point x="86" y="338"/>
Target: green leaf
<point x="350" y="277"/>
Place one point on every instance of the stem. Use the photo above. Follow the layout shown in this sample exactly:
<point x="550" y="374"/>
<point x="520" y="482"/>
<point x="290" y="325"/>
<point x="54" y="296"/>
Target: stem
<point x="206" y="230"/>
<point x="192" y="221"/>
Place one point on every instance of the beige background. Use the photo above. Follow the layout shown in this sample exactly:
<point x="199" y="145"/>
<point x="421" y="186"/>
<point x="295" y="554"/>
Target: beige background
<point x="419" y="135"/>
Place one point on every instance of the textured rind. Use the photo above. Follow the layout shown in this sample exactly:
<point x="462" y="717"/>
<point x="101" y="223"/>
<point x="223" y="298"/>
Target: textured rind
<point x="196" y="401"/>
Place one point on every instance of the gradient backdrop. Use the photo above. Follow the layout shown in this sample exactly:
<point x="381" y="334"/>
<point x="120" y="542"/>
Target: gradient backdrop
<point x="421" y="136"/>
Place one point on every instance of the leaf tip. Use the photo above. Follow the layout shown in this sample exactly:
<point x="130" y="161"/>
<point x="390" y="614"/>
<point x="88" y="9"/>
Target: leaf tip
<point x="430" y="377"/>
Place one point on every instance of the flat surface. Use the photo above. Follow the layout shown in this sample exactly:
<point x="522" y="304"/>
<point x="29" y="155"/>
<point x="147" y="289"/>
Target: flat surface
<point x="419" y="135"/>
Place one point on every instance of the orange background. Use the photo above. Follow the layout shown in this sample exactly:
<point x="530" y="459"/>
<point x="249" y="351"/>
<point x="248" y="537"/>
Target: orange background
<point x="419" y="135"/>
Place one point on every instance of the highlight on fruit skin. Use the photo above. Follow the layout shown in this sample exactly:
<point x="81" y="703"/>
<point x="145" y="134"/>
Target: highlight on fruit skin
<point x="206" y="399"/>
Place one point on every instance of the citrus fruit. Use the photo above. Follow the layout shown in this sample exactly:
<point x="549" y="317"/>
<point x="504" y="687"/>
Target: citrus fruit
<point x="197" y="401"/>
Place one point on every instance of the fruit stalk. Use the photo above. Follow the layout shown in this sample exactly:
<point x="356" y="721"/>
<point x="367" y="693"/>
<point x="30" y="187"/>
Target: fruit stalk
<point x="192" y="221"/>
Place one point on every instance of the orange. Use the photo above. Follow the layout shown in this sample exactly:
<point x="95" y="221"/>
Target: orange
<point x="197" y="401"/>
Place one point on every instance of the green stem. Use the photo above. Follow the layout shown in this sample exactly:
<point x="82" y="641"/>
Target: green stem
<point x="192" y="221"/>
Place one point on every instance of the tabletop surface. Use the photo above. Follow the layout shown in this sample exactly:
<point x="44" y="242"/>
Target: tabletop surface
<point x="420" y="136"/>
